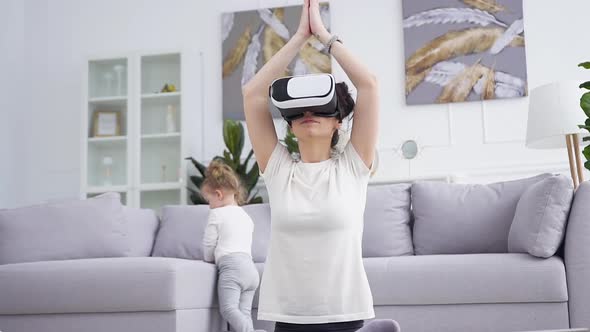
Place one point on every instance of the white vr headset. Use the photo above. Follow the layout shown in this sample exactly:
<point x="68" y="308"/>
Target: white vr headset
<point x="294" y="95"/>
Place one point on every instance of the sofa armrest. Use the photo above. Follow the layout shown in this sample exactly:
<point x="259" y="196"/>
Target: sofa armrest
<point x="577" y="257"/>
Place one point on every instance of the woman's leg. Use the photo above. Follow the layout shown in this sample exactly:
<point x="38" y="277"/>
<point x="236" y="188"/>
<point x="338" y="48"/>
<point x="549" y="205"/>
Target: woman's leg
<point x="381" y="325"/>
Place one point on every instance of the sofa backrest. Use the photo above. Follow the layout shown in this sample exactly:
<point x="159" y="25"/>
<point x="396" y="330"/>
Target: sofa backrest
<point x="386" y="231"/>
<point x="453" y="218"/>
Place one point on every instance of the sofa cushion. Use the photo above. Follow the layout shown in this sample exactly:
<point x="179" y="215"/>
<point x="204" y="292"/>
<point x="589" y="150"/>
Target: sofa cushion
<point x="142" y="226"/>
<point x="541" y="215"/>
<point x="260" y="214"/>
<point x="386" y="221"/>
<point x="453" y="218"/>
<point x="107" y="285"/>
<point x="182" y="227"/>
<point x="181" y="231"/>
<point x="463" y="279"/>
<point x="88" y="228"/>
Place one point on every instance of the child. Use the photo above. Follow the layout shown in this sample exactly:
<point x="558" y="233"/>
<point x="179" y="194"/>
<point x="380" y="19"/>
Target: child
<point x="227" y="242"/>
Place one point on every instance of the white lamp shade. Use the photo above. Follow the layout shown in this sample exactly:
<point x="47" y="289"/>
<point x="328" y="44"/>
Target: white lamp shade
<point x="554" y="111"/>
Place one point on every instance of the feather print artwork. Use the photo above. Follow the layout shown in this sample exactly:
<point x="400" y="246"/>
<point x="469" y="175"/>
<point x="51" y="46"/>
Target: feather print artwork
<point x="491" y="6"/>
<point x="227" y="23"/>
<point x="506" y="85"/>
<point x="316" y="61"/>
<point x="251" y="58"/>
<point x="460" y="87"/>
<point x="444" y="72"/>
<point x="272" y="41"/>
<point x="237" y="53"/>
<point x="275" y="23"/>
<point x="325" y="14"/>
<point x="300" y="67"/>
<point x="313" y="41"/>
<point x="456" y="43"/>
<point x="452" y="15"/>
<point x="512" y="32"/>
<point x="463" y="50"/>
<point x="489" y="85"/>
<point x="413" y="80"/>
<point x="250" y="38"/>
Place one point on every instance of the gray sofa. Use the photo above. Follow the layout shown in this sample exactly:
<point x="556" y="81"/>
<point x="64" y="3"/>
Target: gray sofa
<point x="173" y="290"/>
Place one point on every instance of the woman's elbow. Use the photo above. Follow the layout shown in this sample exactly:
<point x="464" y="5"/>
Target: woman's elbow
<point x="248" y="90"/>
<point x="371" y="81"/>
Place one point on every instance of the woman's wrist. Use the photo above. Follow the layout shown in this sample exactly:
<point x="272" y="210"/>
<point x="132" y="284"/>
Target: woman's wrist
<point x="299" y="37"/>
<point x="324" y="36"/>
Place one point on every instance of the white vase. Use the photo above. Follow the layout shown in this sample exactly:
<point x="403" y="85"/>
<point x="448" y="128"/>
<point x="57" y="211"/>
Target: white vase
<point x="171" y="119"/>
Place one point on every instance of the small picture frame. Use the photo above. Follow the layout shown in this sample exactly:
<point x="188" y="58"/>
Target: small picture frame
<point x="106" y="123"/>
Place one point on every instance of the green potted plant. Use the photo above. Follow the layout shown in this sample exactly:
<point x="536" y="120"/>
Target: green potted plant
<point x="585" y="104"/>
<point x="291" y="142"/>
<point x="233" y="136"/>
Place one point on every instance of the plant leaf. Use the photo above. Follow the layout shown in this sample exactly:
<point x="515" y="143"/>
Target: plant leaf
<point x="586" y="139"/>
<point x="585" y="85"/>
<point x="587" y="165"/>
<point x="255" y="200"/>
<point x="585" y="65"/>
<point x="584" y="127"/>
<point x="197" y="180"/>
<point x="586" y="152"/>
<point x="200" y="167"/>
<point x="585" y="103"/>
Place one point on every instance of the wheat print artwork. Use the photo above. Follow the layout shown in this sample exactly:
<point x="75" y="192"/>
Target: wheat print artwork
<point x="464" y="50"/>
<point x="251" y="38"/>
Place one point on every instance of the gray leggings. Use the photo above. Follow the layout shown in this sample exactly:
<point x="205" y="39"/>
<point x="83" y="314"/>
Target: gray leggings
<point x="237" y="282"/>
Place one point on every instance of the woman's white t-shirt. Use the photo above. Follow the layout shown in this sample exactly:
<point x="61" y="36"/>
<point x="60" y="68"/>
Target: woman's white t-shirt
<point x="314" y="269"/>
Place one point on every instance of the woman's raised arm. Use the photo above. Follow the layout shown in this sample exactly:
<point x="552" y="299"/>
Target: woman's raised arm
<point x="259" y="121"/>
<point x="366" y="114"/>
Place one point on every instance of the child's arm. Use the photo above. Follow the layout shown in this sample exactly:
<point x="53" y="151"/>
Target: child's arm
<point x="210" y="238"/>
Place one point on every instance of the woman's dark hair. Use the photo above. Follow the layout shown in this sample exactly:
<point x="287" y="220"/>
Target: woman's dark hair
<point x="345" y="107"/>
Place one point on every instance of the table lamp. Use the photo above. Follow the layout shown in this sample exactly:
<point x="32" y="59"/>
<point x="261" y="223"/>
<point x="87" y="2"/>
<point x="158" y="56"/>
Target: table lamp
<point x="553" y="119"/>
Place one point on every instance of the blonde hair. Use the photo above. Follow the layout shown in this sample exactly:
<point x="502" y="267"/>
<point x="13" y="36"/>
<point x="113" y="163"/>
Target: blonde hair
<point x="219" y="175"/>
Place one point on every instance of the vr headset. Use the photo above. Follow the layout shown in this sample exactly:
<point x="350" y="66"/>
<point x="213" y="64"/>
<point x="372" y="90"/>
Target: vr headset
<point x="294" y="95"/>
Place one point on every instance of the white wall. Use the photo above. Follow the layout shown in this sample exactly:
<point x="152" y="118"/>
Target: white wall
<point x="478" y="142"/>
<point x="12" y="92"/>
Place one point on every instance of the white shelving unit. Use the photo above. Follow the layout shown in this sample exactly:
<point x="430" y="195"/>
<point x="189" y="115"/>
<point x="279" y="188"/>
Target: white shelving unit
<point x="144" y="161"/>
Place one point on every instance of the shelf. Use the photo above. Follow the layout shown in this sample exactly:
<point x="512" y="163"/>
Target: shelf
<point x="158" y="70"/>
<point x="107" y="78"/>
<point x="161" y="138"/>
<point x="108" y="99"/>
<point x="110" y="141"/>
<point x="161" y="186"/>
<point x="144" y="162"/>
<point x="161" y="95"/>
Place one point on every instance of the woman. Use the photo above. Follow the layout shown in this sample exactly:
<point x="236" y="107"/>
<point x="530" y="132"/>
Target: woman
<point x="314" y="279"/>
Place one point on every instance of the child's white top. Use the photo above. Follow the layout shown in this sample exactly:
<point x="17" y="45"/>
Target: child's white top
<point x="229" y="229"/>
<point x="314" y="269"/>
